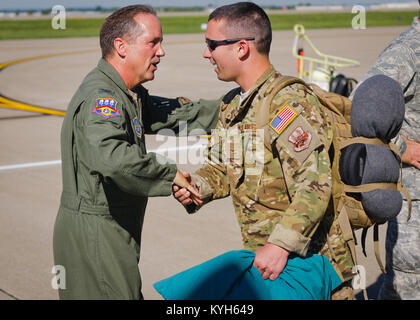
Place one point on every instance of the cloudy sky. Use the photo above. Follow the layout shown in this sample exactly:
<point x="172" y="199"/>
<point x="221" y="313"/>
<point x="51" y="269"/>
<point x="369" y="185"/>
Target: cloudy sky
<point x="43" y="4"/>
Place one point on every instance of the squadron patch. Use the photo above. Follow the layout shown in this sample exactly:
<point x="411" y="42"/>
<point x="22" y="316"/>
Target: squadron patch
<point x="300" y="139"/>
<point x="106" y="108"/>
<point x="138" y="127"/>
<point x="283" y="118"/>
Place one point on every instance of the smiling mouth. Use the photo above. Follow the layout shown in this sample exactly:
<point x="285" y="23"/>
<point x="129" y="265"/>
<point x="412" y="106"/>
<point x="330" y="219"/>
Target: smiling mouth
<point x="154" y="64"/>
<point x="214" y="64"/>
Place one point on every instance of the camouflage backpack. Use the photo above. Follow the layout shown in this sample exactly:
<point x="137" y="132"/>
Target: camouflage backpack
<point x="347" y="210"/>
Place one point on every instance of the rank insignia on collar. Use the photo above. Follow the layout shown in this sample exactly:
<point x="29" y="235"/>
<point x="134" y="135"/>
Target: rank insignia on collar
<point x="106" y="108"/>
<point x="283" y="118"/>
<point x="138" y="127"/>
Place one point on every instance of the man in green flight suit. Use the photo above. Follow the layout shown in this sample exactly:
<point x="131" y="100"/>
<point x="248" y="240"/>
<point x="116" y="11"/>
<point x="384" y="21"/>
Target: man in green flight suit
<point x="275" y="167"/>
<point x="107" y="173"/>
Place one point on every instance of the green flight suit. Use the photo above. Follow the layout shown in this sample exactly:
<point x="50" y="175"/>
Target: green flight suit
<point x="108" y="176"/>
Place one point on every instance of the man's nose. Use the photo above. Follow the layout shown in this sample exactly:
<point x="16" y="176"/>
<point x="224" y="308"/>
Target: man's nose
<point x="160" y="51"/>
<point x="207" y="53"/>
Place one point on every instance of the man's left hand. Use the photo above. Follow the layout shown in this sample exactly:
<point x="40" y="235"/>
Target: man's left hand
<point x="270" y="260"/>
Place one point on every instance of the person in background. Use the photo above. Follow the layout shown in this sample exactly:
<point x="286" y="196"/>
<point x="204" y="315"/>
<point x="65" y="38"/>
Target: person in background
<point x="400" y="60"/>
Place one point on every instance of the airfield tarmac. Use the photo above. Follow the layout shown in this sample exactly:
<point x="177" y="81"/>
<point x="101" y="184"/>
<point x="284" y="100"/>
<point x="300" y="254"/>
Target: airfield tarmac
<point x="172" y="240"/>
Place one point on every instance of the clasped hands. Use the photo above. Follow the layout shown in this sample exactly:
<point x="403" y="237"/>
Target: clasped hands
<point x="184" y="190"/>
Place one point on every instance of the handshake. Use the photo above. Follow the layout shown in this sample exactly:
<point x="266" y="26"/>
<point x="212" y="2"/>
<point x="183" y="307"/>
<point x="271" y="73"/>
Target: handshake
<point x="184" y="190"/>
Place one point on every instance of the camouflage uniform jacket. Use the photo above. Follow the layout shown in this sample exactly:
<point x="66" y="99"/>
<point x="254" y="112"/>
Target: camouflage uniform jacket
<point x="400" y="60"/>
<point x="280" y="195"/>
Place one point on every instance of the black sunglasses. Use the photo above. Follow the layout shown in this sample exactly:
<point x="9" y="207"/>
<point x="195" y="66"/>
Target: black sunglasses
<point x="213" y="44"/>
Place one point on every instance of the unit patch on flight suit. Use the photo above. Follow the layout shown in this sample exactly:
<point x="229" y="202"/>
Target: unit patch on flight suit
<point x="138" y="127"/>
<point x="106" y="108"/>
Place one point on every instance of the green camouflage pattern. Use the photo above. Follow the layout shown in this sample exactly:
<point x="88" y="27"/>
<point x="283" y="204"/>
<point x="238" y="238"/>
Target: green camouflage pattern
<point x="329" y="241"/>
<point x="276" y="197"/>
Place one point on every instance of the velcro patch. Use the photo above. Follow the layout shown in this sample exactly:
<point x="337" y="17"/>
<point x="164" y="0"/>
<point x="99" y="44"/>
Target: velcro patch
<point x="247" y="126"/>
<point x="106" y="108"/>
<point x="300" y="139"/>
<point x="283" y="118"/>
<point x="138" y="127"/>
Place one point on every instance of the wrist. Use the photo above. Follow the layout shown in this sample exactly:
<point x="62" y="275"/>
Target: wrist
<point x="284" y="250"/>
<point x="403" y="145"/>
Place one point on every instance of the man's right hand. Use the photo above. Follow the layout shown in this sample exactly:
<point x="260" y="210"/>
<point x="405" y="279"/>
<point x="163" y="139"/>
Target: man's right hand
<point x="183" y="191"/>
<point x="412" y="154"/>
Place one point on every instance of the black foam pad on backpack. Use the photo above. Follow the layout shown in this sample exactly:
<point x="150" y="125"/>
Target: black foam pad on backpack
<point x="352" y="164"/>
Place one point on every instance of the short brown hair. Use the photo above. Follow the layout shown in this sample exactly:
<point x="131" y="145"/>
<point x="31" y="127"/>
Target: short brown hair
<point x="246" y="19"/>
<point x="121" y="24"/>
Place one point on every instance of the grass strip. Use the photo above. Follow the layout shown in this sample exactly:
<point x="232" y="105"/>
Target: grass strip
<point x="75" y="27"/>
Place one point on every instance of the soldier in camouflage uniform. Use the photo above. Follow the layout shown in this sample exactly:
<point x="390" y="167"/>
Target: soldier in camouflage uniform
<point x="280" y="193"/>
<point x="400" y="60"/>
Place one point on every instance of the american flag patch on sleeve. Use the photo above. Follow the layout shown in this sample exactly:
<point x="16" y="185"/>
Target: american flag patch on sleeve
<point x="283" y="118"/>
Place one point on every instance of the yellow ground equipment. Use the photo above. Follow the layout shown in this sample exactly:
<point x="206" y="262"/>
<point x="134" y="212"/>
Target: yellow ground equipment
<point x="319" y="70"/>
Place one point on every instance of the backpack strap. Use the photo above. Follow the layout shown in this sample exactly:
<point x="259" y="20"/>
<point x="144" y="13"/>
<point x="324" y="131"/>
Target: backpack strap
<point x="402" y="189"/>
<point x="344" y="223"/>
<point x="381" y="185"/>
<point x="363" y="240"/>
<point x="376" y="247"/>
<point x="262" y="115"/>
<point x="230" y="95"/>
<point x="324" y="97"/>
<point x="375" y="141"/>
<point x="370" y="186"/>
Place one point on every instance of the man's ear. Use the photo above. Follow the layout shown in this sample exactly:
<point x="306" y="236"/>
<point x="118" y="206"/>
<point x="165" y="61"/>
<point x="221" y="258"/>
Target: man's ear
<point x="243" y="49"/>
<point x="120" y="46"/>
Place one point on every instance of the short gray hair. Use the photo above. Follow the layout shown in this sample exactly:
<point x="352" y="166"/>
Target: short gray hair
<point x="121" y="24"/>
